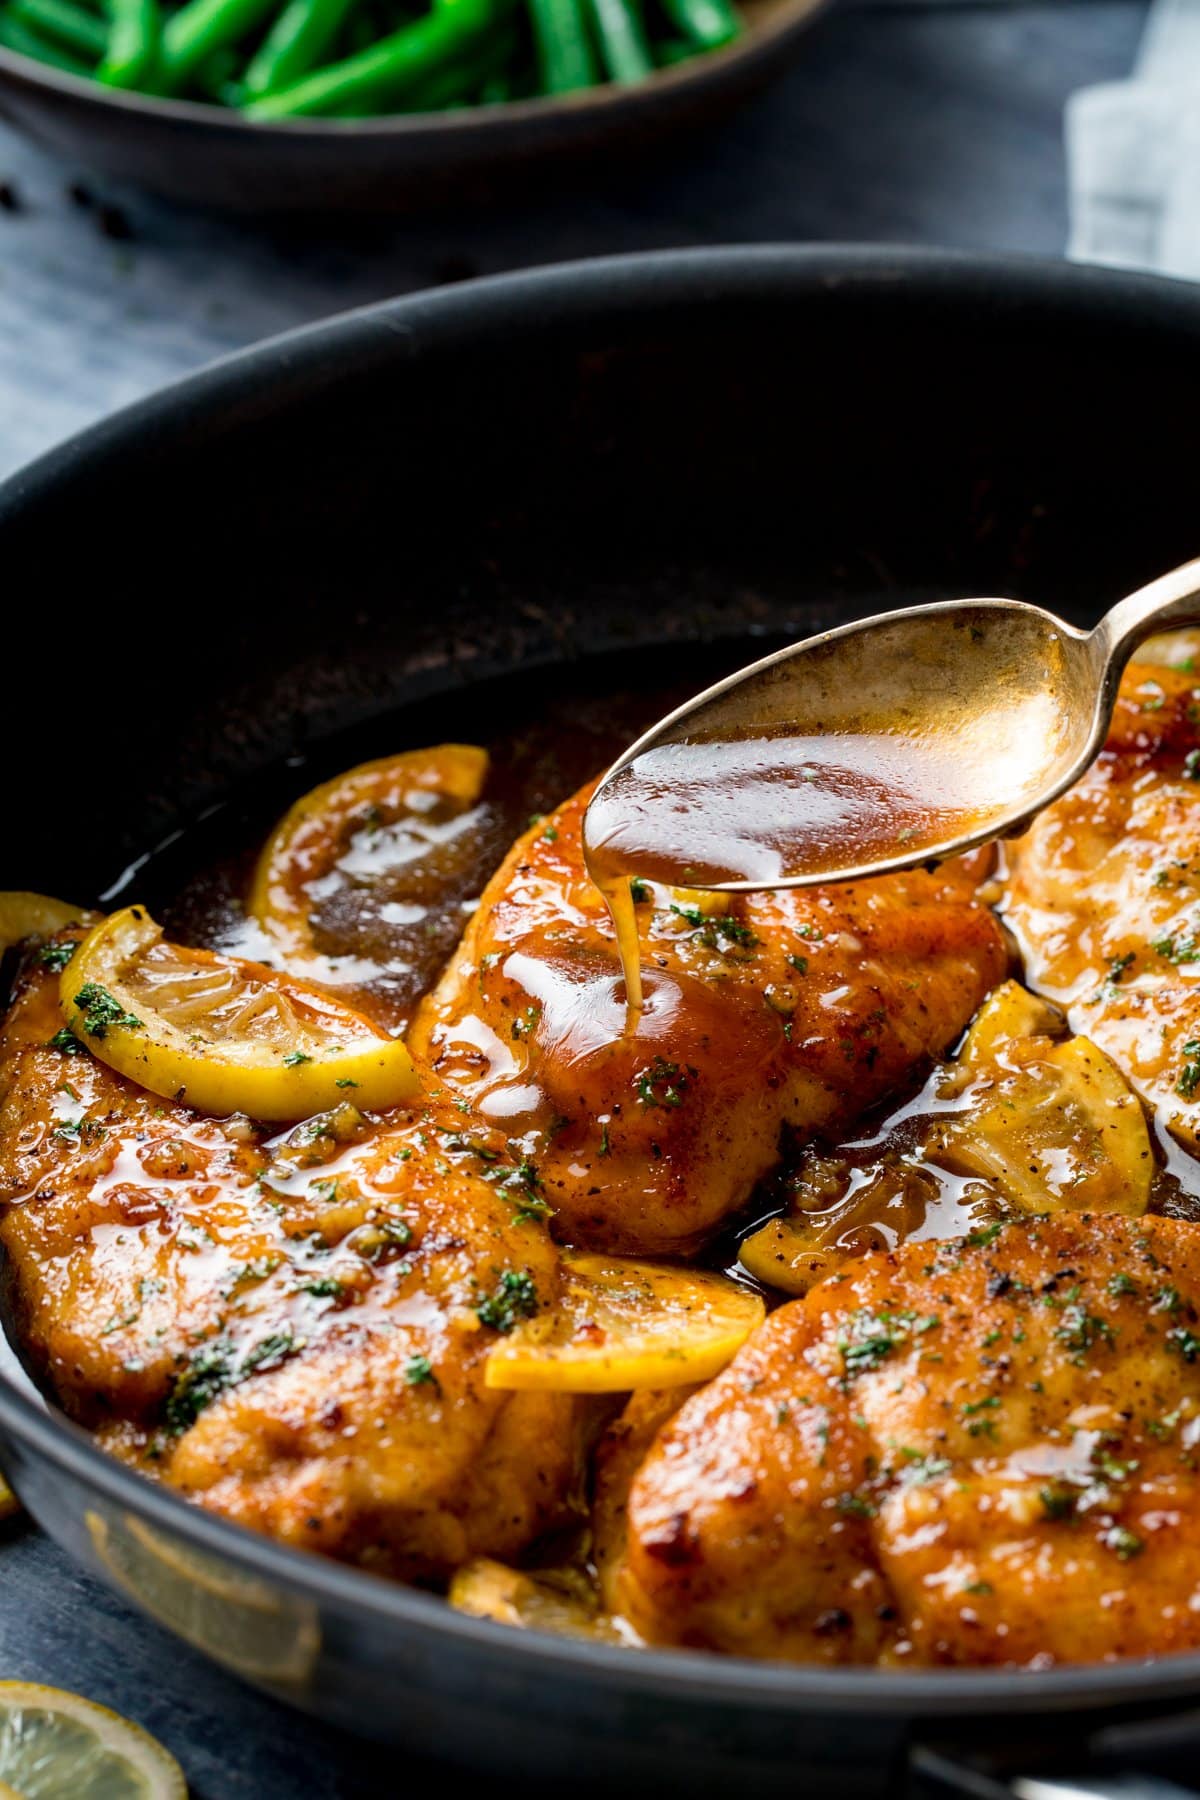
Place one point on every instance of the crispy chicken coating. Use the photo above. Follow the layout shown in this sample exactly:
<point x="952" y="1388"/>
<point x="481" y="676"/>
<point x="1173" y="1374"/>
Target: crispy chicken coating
<point x="291" y="1329"/>
<point x="978" y="1451"/>
<point x="795" y="1009"/>
<point x="1104" y="896"/>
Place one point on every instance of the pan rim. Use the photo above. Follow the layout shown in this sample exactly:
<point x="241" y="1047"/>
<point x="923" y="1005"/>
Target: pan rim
<point x="600" y="291"/>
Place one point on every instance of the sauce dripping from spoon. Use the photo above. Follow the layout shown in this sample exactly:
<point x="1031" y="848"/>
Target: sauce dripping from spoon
<point x="868" y="749"/>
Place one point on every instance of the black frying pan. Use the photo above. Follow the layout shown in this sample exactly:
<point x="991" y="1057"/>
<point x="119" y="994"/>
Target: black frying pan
<point x="631" y="457"/>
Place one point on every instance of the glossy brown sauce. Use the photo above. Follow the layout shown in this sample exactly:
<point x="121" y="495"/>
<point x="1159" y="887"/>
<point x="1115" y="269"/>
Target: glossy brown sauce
<point x="389" y="924"/>
<point x="851" y="753"/>
<point x="873" y="1191"/>
<point x="760" y="809"/>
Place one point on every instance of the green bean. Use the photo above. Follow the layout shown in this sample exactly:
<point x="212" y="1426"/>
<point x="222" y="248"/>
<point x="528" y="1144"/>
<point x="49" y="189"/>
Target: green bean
<point x="709" y="23"/>
<point x="462" y="79"/>
<point x="132" y="48"/>
<point x="296" y="42"/>
<point x="669" y="51"/>
<point x="623" y="46"/>
<point x="388" y="68"/>
<point x="496" y="90"/>
<point x="564" y="54"/>
<point x="78" y="31"/>
<point x="359" y="34"/>
<point x="18" y="37"/>
<point x="216" y="70"/>
<point x="200" y="27"/>
<point x="215" y="79"/>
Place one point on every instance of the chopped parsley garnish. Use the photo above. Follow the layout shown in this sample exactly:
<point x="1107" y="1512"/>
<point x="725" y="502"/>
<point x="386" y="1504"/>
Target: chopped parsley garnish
<point x="385" y="1235"/>
<point x="1189" y="1075"/>
<point x="1081" y="1331"/>
<point x="873" y="1337"/>
<point x="419" y="1369"/>
<point x="1112" y="1468"/>
<point x="324" y="1287"/>
<point x="985" y="1235"/>
<point x="56" y="956"/>
<point x="1184" y="1343"/>
<point x="923" y="1466"/>
<point x="208" y="1373"/>
<point x="639" y="891"/>
<point x="716" y="930"/>
<point x="1191" y="765"/>
<point x="520" y="1181"/>
<point x="526" y="1025"/>
<point x="977" y="1426"/>
<point x="1181" y="948"/>
<point x="662" y="1084"/>
<point x="1058" y="1500"/>
<point x="513" y="1298"/>
<point x="80" y="1131"/>
<point x="855" y="1506"/>
<point x="345" y="1082"/>
<point x="1126" y="1543"/>
<point x="799" y="963"/>
<point x="101" y="1010"/>
<point x="269" y="1351"/>
<point x="294" y="1058"/>
<point x="1121" y="1284"/>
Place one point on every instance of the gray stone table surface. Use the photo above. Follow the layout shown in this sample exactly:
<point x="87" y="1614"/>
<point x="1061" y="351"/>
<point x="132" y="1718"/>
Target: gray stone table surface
<point x="934" y="124"/>
<point x="925" y="124"/>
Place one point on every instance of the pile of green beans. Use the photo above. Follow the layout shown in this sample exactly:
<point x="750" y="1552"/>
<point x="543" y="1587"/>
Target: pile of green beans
<point x="281" y="59"/>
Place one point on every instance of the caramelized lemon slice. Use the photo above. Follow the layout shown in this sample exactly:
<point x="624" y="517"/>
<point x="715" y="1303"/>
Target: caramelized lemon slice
<point x="34" y="915"/>
<point x="1008" y="1014"/>
<point x="1058" y="1130"/>
<point x="620" y="1325"/>
<point x="395" y="823"/>
<point x="54" y="1744"/>
<point x="786" y="1253"/>
<point x="220" y="1034"/>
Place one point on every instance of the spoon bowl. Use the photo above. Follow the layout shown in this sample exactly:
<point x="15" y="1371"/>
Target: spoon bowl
<point x="889" y="742"/>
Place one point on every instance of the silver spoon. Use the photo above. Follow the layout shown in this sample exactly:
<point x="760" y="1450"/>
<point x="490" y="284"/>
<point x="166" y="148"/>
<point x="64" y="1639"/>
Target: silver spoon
<point x="874" y="747"/>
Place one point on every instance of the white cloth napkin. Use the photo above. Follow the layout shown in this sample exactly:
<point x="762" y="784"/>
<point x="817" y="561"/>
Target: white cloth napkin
<point x="1133" y="154"/>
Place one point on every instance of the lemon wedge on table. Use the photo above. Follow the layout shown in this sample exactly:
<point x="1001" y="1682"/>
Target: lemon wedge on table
<point x="220" y="1034"/>
<point x="54" y="1745"/>
<point x="620" y="1325"/>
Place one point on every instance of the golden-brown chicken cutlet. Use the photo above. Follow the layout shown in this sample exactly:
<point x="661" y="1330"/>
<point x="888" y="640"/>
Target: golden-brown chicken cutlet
<point x="978" y="1451"/>
<point x="792" y="1009"/>
<point x="292" y="1328"/>
<point x="1104" y="895"/>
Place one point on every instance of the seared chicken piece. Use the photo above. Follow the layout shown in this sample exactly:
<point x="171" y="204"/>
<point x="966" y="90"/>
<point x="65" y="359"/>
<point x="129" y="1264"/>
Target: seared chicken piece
<point x="978" y="1451"/>
<point x="1104" y="896"/>
<point x="291" y="1330"/>
<point x="792" y="1009"/>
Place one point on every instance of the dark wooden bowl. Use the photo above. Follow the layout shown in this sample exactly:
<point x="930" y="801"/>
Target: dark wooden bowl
<point x="409" y="162"/>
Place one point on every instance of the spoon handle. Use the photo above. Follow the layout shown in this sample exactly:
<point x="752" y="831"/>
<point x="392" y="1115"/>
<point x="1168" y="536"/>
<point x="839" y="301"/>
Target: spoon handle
<point x="1174" y="599"/>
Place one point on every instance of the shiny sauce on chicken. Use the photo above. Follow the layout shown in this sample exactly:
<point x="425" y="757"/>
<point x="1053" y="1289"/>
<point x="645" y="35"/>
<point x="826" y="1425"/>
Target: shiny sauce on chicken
<point x="297" y="1329"/>
<point x="785" y="775"/>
